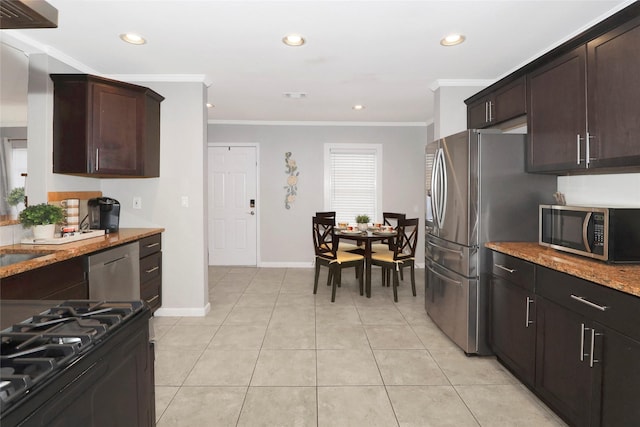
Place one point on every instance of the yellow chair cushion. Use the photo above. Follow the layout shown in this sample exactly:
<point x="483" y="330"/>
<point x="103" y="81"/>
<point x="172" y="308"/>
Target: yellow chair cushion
<point x="347" y="246"/>
<point x="383" y="256"/>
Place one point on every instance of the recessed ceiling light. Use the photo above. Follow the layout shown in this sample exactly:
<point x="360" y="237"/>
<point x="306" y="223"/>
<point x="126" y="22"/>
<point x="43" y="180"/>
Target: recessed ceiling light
<point x="133" y="38"/>
<point x="358" y="107"/>
<point x="293" y="40"/>
<point x="452" y="40"/>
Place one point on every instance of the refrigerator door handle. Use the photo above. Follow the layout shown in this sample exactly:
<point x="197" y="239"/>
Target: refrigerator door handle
<point x="434" y="189"/>
<point x="440" y="185"/>
<point x="460" y="253"/>
<point x="443" y="277"/>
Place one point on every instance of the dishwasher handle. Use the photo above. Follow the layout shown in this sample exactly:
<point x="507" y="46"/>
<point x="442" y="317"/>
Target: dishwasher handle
<point x="117" y="259"/>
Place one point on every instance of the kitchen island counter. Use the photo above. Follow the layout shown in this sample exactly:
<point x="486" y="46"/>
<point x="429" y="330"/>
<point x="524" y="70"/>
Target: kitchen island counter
<point x="622" y="277"/>
<point x="57" y="253"/>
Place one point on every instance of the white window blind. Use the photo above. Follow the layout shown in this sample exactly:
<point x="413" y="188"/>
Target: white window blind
<point x="354" y="181"/>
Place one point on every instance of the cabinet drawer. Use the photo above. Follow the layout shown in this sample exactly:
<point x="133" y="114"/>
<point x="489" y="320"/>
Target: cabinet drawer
<point x="150" y="244"/>
<point x="151" y="267"/>
<point x="151" y="293"/>
<point x="607" y="306"/>
<point x="515" y="270"/>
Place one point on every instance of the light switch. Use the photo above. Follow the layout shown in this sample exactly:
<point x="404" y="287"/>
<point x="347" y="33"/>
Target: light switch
<point x="137" y="202"/>
<point x="184" y="201"/>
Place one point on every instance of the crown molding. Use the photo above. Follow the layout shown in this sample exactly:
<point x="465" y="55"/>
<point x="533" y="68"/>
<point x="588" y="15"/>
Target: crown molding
<point x="199" y="78"/>
<point x="315" y="123"/>
<point x="461" y="83"/>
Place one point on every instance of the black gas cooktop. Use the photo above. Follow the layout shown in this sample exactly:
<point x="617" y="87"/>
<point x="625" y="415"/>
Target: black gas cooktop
<point x="34" y="350"/>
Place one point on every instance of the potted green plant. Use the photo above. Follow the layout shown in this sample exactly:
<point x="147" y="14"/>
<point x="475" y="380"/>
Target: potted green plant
<point x="43" y="218"/>
<point x="363" y="222"/>
<point x="16" y="196"/>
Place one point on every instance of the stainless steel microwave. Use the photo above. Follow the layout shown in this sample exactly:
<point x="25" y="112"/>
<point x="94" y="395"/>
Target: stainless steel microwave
<point x="607" y="234"/>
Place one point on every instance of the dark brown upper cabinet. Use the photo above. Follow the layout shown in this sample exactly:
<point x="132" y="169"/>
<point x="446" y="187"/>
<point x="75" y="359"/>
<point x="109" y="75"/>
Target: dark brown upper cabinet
<point x="613" y="96"/>
<point x="583" y="106"/>
<point x="105" y="128"/>
<point x="503" y="103"/>
<point x="556" y="120"/>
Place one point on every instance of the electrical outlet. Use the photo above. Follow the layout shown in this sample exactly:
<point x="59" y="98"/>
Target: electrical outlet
<point x="184" y="201"/>
<point x="137" y="202"/>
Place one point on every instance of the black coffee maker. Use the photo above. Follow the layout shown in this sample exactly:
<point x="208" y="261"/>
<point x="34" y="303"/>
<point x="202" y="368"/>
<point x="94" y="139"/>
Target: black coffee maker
<point x="104" y="214"/>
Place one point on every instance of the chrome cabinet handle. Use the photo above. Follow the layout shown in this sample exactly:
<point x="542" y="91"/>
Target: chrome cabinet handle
<point x="152" y="269"/>
<point x="582" y="330"/>
<point x="97" y="159"/>
<point x="528" y="322"/>
<point x="445" y="249"/>
<point x="587" y="150"/>
<point x="592" y="360"/>
<point x="502" y="267"/>
<point x="578" y="148"/>
<point x="151" y="245"/>
<point x="589" y="303"/>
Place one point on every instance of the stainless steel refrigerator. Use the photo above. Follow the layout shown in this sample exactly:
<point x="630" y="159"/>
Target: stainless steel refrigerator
<point x="476" y="191"/>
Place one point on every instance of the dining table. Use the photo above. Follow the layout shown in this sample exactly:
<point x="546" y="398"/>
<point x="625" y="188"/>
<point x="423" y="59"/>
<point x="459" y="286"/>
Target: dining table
<point x="365" y="239"/>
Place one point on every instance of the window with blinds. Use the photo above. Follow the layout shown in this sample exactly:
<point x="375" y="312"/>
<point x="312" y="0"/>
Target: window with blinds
<point x="353" y="181"/>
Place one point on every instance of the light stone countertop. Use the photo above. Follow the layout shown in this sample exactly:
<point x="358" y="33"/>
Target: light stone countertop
<point x="622" y="277"/>
<point x="57" y="253"/>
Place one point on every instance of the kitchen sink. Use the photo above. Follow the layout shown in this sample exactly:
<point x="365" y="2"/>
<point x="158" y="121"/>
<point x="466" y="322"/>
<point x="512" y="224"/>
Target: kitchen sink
<point x="14" y="258"/>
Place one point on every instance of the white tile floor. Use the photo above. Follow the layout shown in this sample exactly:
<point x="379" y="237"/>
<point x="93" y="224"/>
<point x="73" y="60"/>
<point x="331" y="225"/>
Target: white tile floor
<point x="271" y="353"/>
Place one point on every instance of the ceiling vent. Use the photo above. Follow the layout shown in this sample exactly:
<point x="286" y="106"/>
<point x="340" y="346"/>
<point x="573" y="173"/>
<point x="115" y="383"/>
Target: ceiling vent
<point x="295" y="95"/>
<point x="21" y="14"/>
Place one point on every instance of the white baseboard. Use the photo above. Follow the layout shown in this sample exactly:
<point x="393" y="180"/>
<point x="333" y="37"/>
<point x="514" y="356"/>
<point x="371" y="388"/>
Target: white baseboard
<point x="183" y="311"/>
<point x="286" y="264"/>
<point x="302" y="264"/>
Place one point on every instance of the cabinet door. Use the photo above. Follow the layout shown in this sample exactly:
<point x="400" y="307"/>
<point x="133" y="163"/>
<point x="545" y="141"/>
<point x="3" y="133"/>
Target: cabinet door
<point x="478" y="114"/>
<point x="513" y="329"/>
<point x="509" y="101"/>
<point x="117" y="143"/>
<point x="614" y="96"/>
<point x="617" y="379"/>
<point x="563" y="377"/>
<point x="556" y="114"/>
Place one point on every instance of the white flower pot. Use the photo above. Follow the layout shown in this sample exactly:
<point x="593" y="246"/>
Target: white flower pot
<point x="363" y="226"/>
<point x="41" y="232"/>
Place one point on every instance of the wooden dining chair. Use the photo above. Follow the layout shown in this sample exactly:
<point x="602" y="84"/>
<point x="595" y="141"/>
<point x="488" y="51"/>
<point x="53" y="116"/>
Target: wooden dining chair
<point x="403" y="254"/>
<point x="388" y="219"/>
<point x="327" y="254"/>
<point x="344" y="246"/>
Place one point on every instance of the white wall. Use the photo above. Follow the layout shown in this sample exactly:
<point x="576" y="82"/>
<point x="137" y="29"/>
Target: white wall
<point x="182" y="173"/>
<point x="286" y="234"/>
<point x="449" y="110"/>
<point x="601" y="190"/>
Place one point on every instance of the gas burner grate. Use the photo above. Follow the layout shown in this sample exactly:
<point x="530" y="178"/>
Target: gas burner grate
<point x="21" y="371"/>
<point x="36" y="348"/>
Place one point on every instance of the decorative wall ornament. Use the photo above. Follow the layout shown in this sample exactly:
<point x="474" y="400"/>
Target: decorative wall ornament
<point x="292" y="180"/>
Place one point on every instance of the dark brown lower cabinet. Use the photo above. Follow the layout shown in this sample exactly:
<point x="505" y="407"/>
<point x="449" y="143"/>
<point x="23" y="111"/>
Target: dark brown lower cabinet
<point x="513" y="327"/>
<point x="617" y="379"/>
<point x="563" y="378"/>
<point x="581" y="350"/>
<point x="151" y="271"/>
<point x="70" y="282"/>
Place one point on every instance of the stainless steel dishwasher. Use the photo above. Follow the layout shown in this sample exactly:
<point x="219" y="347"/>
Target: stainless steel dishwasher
<point x="114" y="274"/>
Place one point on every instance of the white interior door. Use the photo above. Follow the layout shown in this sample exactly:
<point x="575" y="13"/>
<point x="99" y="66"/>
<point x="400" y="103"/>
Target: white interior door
<point x="232" y="205"/>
